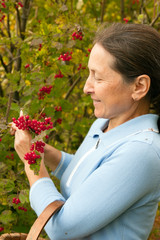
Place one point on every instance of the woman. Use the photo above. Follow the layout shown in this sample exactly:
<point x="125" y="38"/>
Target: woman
<point x="111" y="185"/>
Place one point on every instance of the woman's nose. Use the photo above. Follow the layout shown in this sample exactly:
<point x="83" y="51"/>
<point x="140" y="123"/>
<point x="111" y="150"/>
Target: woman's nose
<point x="88" y="87"/>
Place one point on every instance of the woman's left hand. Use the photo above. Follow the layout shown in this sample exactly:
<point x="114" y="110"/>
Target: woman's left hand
<point x="22" y="141"/>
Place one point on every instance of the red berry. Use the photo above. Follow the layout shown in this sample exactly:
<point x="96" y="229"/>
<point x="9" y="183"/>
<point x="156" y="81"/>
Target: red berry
<point x="27" y="65"/>
<point x="1" y="229"/>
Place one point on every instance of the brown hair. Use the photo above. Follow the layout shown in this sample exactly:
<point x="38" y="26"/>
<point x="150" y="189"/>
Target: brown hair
<point x="136" y="48"/>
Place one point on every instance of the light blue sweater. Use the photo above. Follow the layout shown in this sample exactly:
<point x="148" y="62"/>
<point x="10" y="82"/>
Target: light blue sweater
<point x="111" y="186"/>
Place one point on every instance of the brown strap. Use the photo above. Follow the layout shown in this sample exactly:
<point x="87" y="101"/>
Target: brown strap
<point x="43" y="218"/>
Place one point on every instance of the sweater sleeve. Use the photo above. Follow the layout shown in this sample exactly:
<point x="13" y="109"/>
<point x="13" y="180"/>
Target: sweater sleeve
<point x="131" y="171"/>
<point x="65" y="160"/>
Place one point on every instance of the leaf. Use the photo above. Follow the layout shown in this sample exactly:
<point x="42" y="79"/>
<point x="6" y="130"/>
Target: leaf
<point x="3" y="167"/>
<point x="6" y="186"/>
<point x="24" y="196"/>
<point x="15" y="107"/>
<point x="7" y="216"/>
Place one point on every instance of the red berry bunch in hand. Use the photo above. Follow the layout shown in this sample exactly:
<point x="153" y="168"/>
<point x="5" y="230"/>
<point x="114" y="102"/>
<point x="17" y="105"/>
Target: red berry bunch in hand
<point x="77" y="35"/>
<point x="39" y="146"/>
<point x="34" y="126"/>
<point x="43" y="91"/>
<point x="31" y="157"/>
<point x="25" y="123"/>
<point x="66" y="56"/>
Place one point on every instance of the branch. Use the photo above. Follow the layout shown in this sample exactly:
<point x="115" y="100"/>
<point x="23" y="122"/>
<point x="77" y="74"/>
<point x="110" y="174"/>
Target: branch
<point x="154" y="20"/>
<point x="19" y="21"/>
<point x="25" y="14"/>
<point x="9" y="106"/>
<point x="103" y="9"/>
<point x="122" y="10"/>
<point x="8" y="26"/>
<point x="3" y="64"/>
<point x="71" y="88"/>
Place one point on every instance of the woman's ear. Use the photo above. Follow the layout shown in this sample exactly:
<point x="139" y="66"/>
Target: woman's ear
<point x="141" y="87"/>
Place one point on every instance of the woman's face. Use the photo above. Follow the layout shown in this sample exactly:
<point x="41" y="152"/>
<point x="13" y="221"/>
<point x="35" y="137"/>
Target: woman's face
<point x="112" y="97"/>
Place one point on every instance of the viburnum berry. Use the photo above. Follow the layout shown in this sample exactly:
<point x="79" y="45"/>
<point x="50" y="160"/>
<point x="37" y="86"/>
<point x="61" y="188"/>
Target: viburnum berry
<point x="43" y="91"/>
<point x="22" y="208"/>
<point x="16" y="200"/>
<point x="3" y="4"/>
<point x="59" y="120"/>
<point x="80" y="67"/>
<point x="25" y="123"/>
<point x="125" y="20"/>
<point x="77" y="35"/>
<point x="46" y="136"/>
<point x="58" y="108"/>
<point x="11" y="156"/>
<point x="59" y="75"/>
<point x="27" y="65"/>
<point x="20" y="4"/>
<point x="31" y="157"/>
<point x="40" y="46"/>
<point x="66" y="56"/>
<point x="1" y="229"/>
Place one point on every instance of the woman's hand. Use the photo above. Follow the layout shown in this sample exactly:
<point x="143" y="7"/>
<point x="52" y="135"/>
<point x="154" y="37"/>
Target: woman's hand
<point x="22" y="141"/>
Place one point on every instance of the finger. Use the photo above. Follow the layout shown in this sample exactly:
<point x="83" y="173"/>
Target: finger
<point x="21" y="112"/>
<point x="12" y="129"/>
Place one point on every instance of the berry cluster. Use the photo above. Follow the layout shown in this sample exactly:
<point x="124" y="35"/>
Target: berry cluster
<point x="43" y="91"/>
<point x="16" y="200"/>
<point x="42" y="115"/>
<point x="40" y="46"/>
<point x="11" y="156"/>
<point x="22" y="208"/>
<point x="19" y="4"/>
<point x="31" y="157"/>
<point x="66" y="56"/>
<point x="2" y="18"/>
<point x="25" y="123"/>
<point x="0" y="139"/>
<point x="58" y="108"/>
<point x="59" y="75"/>
<point x="77" y="35"/>
<point x="89" y="50"/>
<point x="39" y="146"/>
<point x="59" y="120"/>
<point x="3" y="4"/>
<point x="80" y="67"/>
<point x="125" y="20"/>
<point x="135" y="1"/>
<point x="1" y="229"/>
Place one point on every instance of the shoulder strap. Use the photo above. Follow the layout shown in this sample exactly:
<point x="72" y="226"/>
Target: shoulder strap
<point x="43" y="218"/>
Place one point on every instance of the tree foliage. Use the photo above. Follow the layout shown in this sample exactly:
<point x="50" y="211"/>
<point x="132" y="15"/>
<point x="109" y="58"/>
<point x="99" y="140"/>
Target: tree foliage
<point x="36" y="39"/>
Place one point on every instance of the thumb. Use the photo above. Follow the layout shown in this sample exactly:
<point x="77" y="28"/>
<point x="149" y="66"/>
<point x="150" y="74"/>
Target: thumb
<point x="21" y="113"/>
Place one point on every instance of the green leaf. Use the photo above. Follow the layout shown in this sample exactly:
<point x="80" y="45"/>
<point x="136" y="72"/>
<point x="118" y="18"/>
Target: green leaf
<point x="7" y="216"/>
<point x="24" y="196"/>
<point x="6" y="186"/>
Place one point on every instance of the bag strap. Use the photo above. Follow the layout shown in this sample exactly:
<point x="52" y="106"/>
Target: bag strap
<point x="43" y="218"/>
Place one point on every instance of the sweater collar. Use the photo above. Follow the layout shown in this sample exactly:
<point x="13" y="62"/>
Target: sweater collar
<point x="147" y="122"/>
